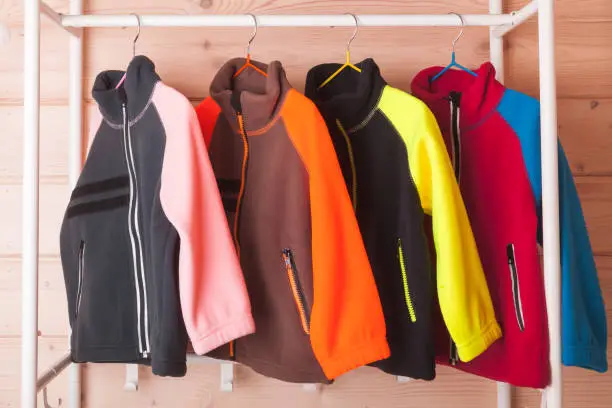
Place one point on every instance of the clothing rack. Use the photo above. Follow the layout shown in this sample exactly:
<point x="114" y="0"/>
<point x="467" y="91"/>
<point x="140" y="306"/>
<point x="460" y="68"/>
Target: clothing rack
<point x="499" y="24"/>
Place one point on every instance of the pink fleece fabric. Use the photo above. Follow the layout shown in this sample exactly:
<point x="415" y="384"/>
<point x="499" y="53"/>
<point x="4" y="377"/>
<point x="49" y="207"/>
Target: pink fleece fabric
<point x="214" y="299"/>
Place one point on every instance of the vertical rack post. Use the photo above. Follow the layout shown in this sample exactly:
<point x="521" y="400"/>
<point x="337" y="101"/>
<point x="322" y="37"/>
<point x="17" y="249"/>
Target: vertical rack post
<point x="75" y="157"/>
<point x="496" y="53"/>
<point x="31" y="141"/>
<point x="550" y="195"/>
<point x="496" y="41"/>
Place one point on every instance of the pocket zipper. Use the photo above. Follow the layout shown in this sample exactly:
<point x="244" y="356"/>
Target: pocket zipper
<point x="80" y="268"/>
<point x="407" y="297"/>
<point x="516" y="289"/>
<point x="297" y="289"/>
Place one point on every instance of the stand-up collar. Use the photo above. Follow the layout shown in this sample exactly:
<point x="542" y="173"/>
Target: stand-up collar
<point x="261" y="97"/>
<point x="479" y="94"/>
<point x="135" y="92"/>
<point x="351" y="97"/>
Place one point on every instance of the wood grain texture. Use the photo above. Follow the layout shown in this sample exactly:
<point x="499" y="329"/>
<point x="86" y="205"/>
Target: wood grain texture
<point x="187" y="60"/>
<point x="50" y="350"/>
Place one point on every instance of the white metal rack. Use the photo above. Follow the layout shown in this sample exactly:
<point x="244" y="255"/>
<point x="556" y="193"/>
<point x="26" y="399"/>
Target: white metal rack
<point x="499" y="24"/>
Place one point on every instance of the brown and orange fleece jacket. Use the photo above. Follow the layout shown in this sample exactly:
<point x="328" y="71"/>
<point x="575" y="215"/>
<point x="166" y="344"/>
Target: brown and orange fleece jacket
<point x="314" y="300"/>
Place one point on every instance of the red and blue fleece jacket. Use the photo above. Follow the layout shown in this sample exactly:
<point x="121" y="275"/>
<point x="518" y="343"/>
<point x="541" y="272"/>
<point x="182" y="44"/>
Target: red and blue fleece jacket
<point x="493" y="137"/>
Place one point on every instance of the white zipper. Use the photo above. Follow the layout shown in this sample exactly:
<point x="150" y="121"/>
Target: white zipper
<point x="130" y="228"/>
<point x="139" y="240"/>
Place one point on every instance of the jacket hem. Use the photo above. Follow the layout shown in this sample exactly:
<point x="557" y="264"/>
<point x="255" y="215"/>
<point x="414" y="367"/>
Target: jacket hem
<point x="168" y="368"/>
<point x="283" y="372"/>
<point x="224" y="334"/>
<point x="369" y="352"/>
<point x="590" y="358"/>
<point x="479" y="343"/>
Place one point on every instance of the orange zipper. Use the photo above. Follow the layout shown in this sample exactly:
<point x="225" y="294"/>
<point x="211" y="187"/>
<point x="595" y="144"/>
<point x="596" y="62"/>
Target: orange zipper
<point x="296" y="289"/>
<point x="242" y="178"/>
<point x="232" y="344"/>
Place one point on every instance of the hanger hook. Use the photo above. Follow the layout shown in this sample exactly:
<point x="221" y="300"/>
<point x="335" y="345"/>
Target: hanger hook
<point x="137" y="34"/>
<point x="254" y="34"/>
<point x="461" y="31"/>
<point x="348" y="45"/>
<point x="46" y="399"/>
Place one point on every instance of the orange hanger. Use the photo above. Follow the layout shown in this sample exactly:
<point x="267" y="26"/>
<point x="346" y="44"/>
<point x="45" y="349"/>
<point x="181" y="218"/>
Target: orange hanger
<point x="347" y="63"/>
<point x="247" y="63"/>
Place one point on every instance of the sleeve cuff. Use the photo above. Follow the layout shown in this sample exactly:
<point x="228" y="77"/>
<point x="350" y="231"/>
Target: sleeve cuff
<point x="373" y="350"/>
<point x="224" y="334"/>
<point x="479" y="343"/>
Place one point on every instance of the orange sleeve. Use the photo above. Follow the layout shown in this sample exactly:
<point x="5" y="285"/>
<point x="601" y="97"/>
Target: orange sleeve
<point x="208" y="112"/>
<point x="347" y="326"/>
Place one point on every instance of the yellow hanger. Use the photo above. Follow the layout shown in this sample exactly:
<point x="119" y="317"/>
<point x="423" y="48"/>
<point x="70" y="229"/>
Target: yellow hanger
<point x="347" y="63"/>
<point x="247" y="63"/>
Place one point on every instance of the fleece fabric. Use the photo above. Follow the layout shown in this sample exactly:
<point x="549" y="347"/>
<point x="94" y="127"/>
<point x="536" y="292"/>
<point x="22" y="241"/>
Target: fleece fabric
<point x="395" y="165"/>
<point x="493" y="135"/>
<point x="314" y="298"/>
<point x="147" y="255"/>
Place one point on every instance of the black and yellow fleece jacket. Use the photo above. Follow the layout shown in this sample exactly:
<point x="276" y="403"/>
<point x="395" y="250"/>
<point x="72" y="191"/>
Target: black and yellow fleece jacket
<point x="396" y="168"/>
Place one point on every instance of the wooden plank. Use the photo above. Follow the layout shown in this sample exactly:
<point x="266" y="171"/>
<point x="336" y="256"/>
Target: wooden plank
<point x="282" y="6"/>
<point x="53" y="144"/>
<point x="596" y="196"/>
<point x="582" y="58"/>
<point x="49" y="351"/>
<point x="53" y="201"/>
<point x="52" y="310"/>
<point x="584" y="130"/>
<point x="54" y="67"/>
<point x="364" y="387"/>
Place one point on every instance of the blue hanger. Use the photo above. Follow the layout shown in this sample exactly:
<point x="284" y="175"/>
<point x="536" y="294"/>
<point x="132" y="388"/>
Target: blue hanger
<point x="454" y="62"/>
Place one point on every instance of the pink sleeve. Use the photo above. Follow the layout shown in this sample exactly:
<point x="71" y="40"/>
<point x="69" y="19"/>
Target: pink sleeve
<point x="214" y="299"/>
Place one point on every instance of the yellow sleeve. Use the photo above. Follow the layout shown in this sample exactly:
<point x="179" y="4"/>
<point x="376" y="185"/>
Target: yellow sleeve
<point x="462" y="288"/>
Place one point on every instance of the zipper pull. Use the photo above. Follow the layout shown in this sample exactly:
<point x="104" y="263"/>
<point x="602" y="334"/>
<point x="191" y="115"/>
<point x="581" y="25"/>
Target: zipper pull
<point x="510" y="255"/>
<point x="453" y="353"/>
<point x="286" y="258"/>
<point x="454" y="97"/>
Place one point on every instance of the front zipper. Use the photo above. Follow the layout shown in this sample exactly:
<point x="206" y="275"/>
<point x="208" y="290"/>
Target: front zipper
<point x="455" y="132"/>
<point x="407" y="297"/>
<point x="297" y="289"/>
<point x="80" y="269"/>
<point x="237" y="105"/>
<point x="349" y="148"/>
<point x="135" y="238"/>
<point x="516" y="289"/>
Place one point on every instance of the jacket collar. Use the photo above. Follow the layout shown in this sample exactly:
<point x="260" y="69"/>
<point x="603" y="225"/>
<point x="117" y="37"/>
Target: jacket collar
<point x="260" y="97"/>
<point x="480" y="94"/>
<point x="136" y="91"/>
<point x="351" y="97"/>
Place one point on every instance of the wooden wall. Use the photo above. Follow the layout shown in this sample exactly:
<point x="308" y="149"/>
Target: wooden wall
<point x="187" y="59"/>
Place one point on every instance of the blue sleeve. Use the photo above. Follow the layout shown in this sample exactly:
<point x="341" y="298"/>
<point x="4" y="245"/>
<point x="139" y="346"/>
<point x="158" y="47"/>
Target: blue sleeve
<point x="583" y="326"/>
<point x="584" y="330"/>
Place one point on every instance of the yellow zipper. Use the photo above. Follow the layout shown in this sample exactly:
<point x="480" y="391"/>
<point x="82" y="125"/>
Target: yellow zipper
<point x="352" y="160"/>
<point x="400" y="254"/>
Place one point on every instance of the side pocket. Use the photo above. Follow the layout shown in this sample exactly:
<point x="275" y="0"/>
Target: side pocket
<point x="407" y="298"/>
<point x="516" y="287"/>
<point x="81" y="265"/>
<point x="297" y="289"/>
